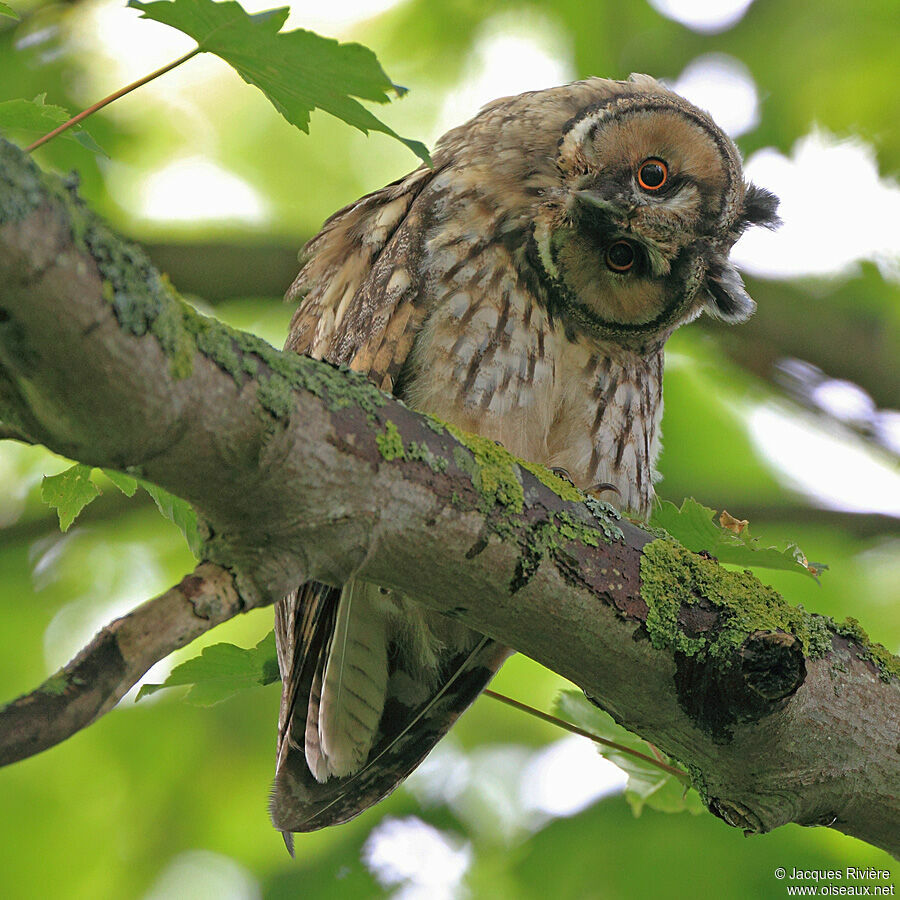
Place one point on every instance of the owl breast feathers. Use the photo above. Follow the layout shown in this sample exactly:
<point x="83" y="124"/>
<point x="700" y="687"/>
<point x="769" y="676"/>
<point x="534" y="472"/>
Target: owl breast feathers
<point x="523" y="289"/>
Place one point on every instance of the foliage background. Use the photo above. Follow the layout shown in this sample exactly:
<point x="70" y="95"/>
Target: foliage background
<point x="164" y="799"/>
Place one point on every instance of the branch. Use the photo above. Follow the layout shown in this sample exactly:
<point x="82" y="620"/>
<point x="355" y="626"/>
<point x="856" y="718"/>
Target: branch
<point x="302" y="471"/>
<point x="103" y="672"/>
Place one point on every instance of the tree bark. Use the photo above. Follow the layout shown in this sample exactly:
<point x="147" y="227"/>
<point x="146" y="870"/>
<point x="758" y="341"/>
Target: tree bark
<point x="299" y="470"/>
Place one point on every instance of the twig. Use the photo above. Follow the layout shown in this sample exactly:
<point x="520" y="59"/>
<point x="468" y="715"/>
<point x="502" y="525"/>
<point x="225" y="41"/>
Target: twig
<point x="107" y="100"/>
<point x="568" y="726"/>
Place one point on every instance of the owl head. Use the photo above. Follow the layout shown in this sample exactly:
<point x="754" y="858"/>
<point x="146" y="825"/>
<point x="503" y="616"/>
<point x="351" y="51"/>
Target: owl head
<point x="633" y="198"/>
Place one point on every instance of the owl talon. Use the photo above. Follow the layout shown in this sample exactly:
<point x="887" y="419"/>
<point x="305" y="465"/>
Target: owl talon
<point x="603" y="487"/>
<point x="560" y="472"/>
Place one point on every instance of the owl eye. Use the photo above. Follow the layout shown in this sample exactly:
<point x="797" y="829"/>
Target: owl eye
<point x="652" y="174"/>
<point x="620" y="256"/>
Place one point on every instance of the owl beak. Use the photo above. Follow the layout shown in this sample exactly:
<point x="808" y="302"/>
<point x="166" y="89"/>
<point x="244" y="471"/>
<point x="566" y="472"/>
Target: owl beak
<point x="596" y="200"/>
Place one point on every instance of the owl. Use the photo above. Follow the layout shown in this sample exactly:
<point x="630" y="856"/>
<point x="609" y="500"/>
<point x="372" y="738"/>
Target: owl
<point x="523" y="289"/>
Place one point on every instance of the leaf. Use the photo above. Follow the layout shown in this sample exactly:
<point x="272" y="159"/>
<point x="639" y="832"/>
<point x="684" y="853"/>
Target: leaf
<point x="222" y="670"/>
<point x="695" y="526"/>
<point x="6" y="11"/>
<point x="298" y="71"/>
<point x="31" y="115"/>
<point x="125" y="483"/>
<point x="647" y="784"/>
<point x="85" y="139"/>
<point x="69" y="493"/>
<point x="178" y="511"/>
<point x="72" y="490"/>
<point x="38" y="116"/>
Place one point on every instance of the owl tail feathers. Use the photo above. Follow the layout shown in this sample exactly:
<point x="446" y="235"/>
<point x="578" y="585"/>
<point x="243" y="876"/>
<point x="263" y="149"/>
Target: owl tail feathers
<point x="347" y="695"/>
<point x="406" y="735"/>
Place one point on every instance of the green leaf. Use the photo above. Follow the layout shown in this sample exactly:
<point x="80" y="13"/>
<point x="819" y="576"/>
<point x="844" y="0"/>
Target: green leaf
<point x="178" y="511"/>
<point x="697" y="528"/>
<point x="647" y="785"/>
<point x="6" y="11"/>
<point x="298" y="71"/>
<point x="125" y="483"/>
<point x="222" y="670"/>
<point x="69" y="493"/>
<point x="85" y="139"/>
<point x="72" y="490"/>
<point x="38" y="116"/>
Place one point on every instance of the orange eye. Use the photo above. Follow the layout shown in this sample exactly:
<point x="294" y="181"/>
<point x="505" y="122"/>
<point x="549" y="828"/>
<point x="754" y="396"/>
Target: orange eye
<point x="652" y="174"/>
<point x="620" y="256"/>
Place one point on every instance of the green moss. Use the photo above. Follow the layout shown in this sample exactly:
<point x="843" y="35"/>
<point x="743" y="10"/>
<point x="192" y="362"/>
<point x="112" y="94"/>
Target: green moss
<point x="560" y="486"/>
<point x="548" y="539"/>
<point x="139" y="295"/>
<point x="216" y="344"/>
<point x="673" y="577"/>
<point x="492" y="469"/>
<point x="339" y="388"/>
<point x="280" y="373"/>
<point x="275" y="394"/>
<point x="175" y="341"/>
<point x="141" y="298"/>
<point x="435" y="424"/>
<point x="422" y="452"/>
<point x="390" y="444"/>
<point x="495" y="475"/>
<point x="606" y="516"/>
<point x="23" y="186"/>
<point x="568" y="529"/>
<point x="130" y="283"/>
<point x="540" y="542"/>
<point x="55" y="685"/>
<point x="887" y="664"/>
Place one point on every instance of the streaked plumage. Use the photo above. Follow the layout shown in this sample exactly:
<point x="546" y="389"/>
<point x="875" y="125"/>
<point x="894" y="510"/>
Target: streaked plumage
<point x="489" y="291"/>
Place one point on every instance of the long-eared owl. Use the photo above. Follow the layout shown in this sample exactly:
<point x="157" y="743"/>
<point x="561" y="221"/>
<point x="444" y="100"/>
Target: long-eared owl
<point x="522" y="288"/>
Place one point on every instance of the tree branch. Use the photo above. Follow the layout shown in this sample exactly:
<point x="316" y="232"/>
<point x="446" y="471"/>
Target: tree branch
<point x="103" y="672"/>
<point x="302" y="471"/>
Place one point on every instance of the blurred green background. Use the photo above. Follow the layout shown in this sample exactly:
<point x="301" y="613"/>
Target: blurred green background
<point x="790" y="421"/>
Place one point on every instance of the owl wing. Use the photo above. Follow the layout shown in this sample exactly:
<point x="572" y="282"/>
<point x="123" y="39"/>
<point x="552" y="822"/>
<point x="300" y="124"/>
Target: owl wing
<point x="361" y="305"/>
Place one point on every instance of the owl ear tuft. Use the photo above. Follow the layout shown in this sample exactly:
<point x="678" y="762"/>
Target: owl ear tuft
<point x="760" y="208"/>
<point x="726" y="297"/>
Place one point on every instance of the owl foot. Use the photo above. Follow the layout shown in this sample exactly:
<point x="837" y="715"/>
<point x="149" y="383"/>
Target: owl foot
<point x="595" y="490"/>
<point x="560" y="472"/>
<point x="603" y="487"/>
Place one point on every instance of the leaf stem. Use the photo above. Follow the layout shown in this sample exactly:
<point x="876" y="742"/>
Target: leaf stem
<point x="107" y="100"/>
<point x="683" y="777"/>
